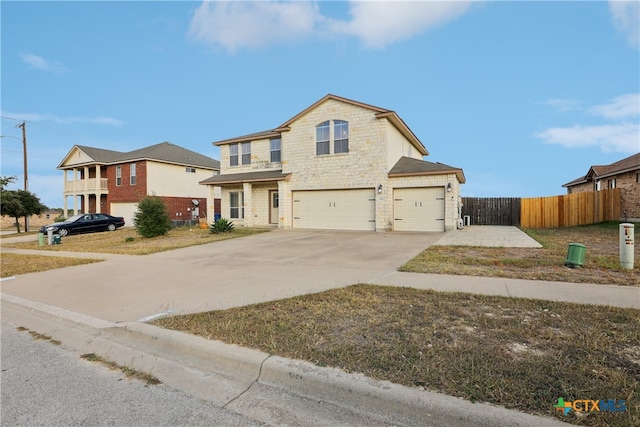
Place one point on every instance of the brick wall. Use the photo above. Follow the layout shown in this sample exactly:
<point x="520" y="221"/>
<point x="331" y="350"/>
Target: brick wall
<point x="127" y="192"/>
<point x="181" y="208"/>
<point x="629" y="193"/>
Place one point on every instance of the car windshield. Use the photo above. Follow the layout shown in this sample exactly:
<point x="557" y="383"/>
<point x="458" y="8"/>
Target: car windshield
<point x="74" y="218"/>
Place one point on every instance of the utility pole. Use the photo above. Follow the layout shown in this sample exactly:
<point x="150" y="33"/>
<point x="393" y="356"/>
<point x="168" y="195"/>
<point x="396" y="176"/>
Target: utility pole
<point x="26" y="177"/>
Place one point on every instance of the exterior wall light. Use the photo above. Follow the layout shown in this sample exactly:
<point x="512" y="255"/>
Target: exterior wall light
<point x="380" y="189"/>
<point x="449" y="188"/>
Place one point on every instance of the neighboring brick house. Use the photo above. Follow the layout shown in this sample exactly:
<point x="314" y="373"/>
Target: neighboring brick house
<point x="623" y="174"/>
<point x="113" y="182"/>
<point x="340" y="165"/>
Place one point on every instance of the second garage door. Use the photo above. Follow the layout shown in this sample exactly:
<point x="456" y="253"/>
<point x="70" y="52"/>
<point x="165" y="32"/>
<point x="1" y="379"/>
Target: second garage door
<point x="335" y="209"/>
<point x="125" y="210"/>
<point x="418" y="209"/>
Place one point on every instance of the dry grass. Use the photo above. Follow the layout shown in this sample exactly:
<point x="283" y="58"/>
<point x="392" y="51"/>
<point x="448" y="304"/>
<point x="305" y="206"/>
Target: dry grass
<point x="127" y="371"/>
<point x="522" y="354"/>
<point x="14" y="264"/>
<point x="126" y="241"/>
<point x="547" y="263"/>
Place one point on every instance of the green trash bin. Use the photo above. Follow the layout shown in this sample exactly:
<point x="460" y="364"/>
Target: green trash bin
<point x="575" y="255"/>
<point x="57" y="239"/>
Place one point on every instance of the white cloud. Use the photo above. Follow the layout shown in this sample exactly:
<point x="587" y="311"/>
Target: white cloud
<point x="381" y="23"/>
<point x="39" y="63"/>
<point x="563" y="105"/>
<point x="37" y="117"/>
<point x="626" y="19"/>
<point x="623" y="137"/>
<point x="236" y="25"/>
<point x="622" y="107"/>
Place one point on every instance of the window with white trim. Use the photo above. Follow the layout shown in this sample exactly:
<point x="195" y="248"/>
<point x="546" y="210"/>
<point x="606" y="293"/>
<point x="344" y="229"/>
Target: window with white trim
<point x="322" y="138"/>
<point x="118" y="175"/>
<point x="246" y="153"/>
<point x="236" y="204"/>
<point x="233" y="155"/>
<point x="340" y="136"/>
<point x="611" y="183"/>
<point x="275" y="149"/>
<point x="132" y="174"/>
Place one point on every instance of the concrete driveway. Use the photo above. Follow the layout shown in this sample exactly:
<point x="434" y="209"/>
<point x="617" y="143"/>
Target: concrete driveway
<point x="258" y="268"/>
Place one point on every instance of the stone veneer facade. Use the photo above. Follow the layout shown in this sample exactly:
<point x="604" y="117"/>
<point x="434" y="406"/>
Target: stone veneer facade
<point x="375" y="145"/>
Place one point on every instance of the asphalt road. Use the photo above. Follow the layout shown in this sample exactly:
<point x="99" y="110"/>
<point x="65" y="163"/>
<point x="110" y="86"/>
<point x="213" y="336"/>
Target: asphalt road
<point x="46" y="384"/>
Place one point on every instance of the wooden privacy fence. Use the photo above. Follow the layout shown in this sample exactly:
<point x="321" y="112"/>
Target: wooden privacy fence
<point x="492" y="210"/>
<point x="571" y="209"/>
<point x="544" y="212"/>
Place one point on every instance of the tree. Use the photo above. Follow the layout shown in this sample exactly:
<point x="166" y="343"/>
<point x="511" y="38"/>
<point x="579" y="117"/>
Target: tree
<point x="19" y="203"/>
<point x="151" y="219"/>
<point x="6" y="180"/>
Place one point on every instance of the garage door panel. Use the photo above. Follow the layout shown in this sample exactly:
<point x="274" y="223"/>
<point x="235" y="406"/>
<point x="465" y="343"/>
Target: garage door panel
<point x="125" y="210"/>
<point x="419" y="209"/>
<point x="334" y="209"/>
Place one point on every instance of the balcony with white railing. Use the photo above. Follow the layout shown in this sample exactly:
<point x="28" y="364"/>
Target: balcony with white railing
<point x="91" y="185"/>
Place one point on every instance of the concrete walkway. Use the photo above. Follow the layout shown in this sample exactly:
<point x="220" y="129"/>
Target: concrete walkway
<point x="101" y="308"/>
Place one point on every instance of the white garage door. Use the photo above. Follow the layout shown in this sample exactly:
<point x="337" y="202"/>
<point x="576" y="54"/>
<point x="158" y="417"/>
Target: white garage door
<point x="418" y="209"/>
<point x="335" y="209"/>
<point x="125" y="210"/>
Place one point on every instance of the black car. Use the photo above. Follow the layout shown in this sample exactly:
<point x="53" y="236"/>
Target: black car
<point x="84" y="223"/>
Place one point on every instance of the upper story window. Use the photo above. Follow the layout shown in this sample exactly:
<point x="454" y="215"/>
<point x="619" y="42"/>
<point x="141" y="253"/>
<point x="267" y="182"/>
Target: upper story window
<point x="132" y="174"/>
<point x="246" y="153"/>
<point x="598" y="185"/>
<point x="190" y="170"/>
<point x="275" y="144"/>
<point x="118" y="175"/>
<point x="322" y="138"/>
<point x="233" y="155"/>
<point x="612" y="183"/>
<point x="340" y="137"/>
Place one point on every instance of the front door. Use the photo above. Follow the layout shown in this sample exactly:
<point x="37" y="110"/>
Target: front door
<point x="274" y="204"/>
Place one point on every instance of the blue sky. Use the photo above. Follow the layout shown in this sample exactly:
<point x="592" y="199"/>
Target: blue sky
<point x="523" y="96"/>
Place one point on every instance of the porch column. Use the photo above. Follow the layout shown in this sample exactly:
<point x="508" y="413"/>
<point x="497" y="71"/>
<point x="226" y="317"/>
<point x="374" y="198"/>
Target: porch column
<point x="64" y="194"/>
<point x="284" y="209"/>
<point x="248" y="204"/>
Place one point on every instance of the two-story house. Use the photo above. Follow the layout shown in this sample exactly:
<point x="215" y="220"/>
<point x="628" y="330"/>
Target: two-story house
<point x="113" y="182"/>
<point x="340" y="165"/>
<point x="623" y="174"/>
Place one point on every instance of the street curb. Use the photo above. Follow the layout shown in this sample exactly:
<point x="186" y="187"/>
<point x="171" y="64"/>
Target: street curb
<point x="223" y="373"/>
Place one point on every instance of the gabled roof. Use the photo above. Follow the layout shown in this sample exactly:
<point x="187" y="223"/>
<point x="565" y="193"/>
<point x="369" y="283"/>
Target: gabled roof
<point x="627" y="164"/>
<point x="381" y="113"/>
<point x="242" y="177"/>
<point x="408" y="166"/>
<point x="164" y="152"/>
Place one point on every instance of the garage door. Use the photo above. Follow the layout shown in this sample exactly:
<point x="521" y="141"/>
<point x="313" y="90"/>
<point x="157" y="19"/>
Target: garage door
<point x="125" y="210"/>
<point x="335" y="209"/>
<point x="418" y="209"/>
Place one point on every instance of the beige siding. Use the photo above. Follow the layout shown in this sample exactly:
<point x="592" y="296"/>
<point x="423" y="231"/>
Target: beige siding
<point x="173" y="181"/>
<point x="77" y="157"/>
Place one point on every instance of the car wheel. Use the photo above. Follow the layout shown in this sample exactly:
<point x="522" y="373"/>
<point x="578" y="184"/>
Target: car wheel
<point x="63" y="232"/>
<point x="112" y="227"/>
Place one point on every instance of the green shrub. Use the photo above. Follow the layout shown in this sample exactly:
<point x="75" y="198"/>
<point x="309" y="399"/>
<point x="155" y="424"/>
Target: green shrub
<point x="151" y="219"/>
<point x="60" y="218"/>
<point x="222" y="225"/>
